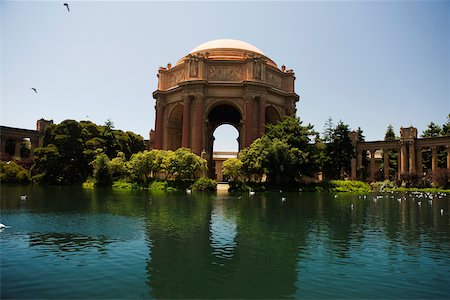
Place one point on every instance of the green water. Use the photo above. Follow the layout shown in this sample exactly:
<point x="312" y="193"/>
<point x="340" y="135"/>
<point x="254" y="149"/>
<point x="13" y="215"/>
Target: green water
<point x="66" y="242"/>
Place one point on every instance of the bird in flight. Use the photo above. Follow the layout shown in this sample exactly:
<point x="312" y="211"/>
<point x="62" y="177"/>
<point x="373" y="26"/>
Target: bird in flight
<point x="34" y="90"/>
<point x="67" y="5"/>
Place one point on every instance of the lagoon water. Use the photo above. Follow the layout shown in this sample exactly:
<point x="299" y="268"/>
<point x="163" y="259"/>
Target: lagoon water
<point x="68" y="242"/>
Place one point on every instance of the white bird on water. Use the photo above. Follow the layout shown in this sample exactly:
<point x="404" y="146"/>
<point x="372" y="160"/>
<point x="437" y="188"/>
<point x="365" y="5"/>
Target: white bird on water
<point x="23" y="197"/>
<point x="188" y="191"/>
<point x="283" y="199"/>
<point x="442" y="211"/>
<point x="251" y="193"/>
<point x="3" y="226"/>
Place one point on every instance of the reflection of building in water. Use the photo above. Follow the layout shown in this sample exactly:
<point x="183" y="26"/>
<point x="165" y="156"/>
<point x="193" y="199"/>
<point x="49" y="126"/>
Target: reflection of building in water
<point x="223" y="230"/>
<point x="219" y="158"/>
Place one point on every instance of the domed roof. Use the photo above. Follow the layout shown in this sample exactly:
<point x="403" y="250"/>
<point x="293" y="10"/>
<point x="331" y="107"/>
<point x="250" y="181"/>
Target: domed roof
<point x="226" y="44"/>
<point x="227" y="49"/>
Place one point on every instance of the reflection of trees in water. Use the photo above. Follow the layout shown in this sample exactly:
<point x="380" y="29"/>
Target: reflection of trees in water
<point x="64" y="243"/>
<point x="184" y="256"/>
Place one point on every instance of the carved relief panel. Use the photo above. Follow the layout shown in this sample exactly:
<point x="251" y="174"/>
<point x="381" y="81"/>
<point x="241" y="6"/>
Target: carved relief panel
<point x="175" y="77"/>
<point x="273" y="79"/>
<point x="224" y="73"/>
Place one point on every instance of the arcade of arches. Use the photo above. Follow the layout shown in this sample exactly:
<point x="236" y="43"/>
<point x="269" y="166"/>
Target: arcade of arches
<point x="12" y="139"/>
<point x="410" y="152"/>
<point x="220" y="82"/>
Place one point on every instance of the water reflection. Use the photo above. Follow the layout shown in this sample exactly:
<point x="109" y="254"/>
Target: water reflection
<point x="225" y="246"/>
<point x="223" y="230"/>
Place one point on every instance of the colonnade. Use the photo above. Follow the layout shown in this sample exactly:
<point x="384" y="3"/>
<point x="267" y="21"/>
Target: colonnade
<point x="410" y="153"/>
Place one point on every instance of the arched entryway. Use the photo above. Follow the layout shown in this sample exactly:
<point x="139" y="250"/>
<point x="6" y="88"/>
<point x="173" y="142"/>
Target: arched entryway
<point x="175" y="128"/>
<point x="222" y="114"/>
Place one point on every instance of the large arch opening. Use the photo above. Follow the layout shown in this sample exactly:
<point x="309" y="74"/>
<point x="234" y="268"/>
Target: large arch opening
<point x="223" y="137"/>
<point x="175" y="128"/>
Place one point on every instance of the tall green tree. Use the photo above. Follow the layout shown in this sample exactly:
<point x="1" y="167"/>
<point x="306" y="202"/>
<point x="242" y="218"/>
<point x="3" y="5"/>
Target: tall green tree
<point x="393" y="155"/>
<point x="390" y="134"/>
<point x="340" y="151"/>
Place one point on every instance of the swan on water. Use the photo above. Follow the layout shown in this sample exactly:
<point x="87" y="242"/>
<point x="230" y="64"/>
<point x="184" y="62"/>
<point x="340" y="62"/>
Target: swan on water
<point x="251" y="193"/>
<point x="3" y="226"/>
<point x="23" y="197"/>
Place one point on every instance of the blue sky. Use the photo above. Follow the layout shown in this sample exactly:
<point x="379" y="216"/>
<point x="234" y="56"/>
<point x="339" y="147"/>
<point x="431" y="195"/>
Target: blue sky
<point x="369" y="64"/>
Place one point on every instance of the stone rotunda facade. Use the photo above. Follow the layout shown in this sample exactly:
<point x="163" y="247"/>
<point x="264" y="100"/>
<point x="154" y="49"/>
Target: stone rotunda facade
<point x="220" y="82"/>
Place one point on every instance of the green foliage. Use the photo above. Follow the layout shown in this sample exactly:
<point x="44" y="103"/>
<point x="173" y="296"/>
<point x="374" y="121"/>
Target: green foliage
<point x="232" y="167"/>
<point x="284" y="154"/>
<point x="338" y="152"/>
<point x="184" y="164"/>
<point x="390" y="134"/>
<point x="204" y="184"/>
<point x="13" y="173"/>
<point x="102" y="171"/>
<point x="349" y="186"/>
<point x="118" y="168"/>
<point x="238" y="186"/>
<point x="433" y="130"/>
<point x="46" y="166"/>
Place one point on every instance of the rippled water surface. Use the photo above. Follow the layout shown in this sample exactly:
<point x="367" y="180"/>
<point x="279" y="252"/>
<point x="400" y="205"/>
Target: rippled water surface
<point x="66" y="242"/>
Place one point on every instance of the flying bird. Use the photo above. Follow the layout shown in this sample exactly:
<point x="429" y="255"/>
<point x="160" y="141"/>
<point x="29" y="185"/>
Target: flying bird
<point x="67" y="5"/>
<point x="34" y="90"/>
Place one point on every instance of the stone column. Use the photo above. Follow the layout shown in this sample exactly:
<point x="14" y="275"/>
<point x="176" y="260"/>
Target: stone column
<point x="403" y="158"/>
<point x="359" y="159"/>
<point x="3" y="145"/>
<point x="17" y="147"/>
<point x="197" y="147"/>
<point x="186" y="122"/>
<point x="372" y="165"/>
<point x="399" y="163"/>
<point x="434" y="159"/>
<point x="262" y="115"/>
<point x="412" y="158"/>
<point x="448" y="158"/>
<point x="248" y="121"/>
<point x="419" y="162"/>
<point x="353" y="163"/>
<point x="386" y="163"/>
<point x="159" y="126"/>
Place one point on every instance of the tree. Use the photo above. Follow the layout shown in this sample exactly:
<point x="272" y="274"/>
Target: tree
<point x="393" y="155"/>
<point x="446" y="127"/>
<point x="284" y="153"/>
<point x="102" y="170"/>
<point x="340" y="151"/>
<point x="390" y="134"/>
<point x="328" y="131"/>
<point x="185" y="165"/>
<point x="77" y="145"/>
<point x="232" y="167"/>
<point x="46" y="166"/>
<point x="433" y="130"/>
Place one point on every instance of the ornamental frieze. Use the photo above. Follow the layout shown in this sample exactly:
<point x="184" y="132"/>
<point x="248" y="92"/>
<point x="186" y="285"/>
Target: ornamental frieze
<point x="175" y="77"/>
<point x="273" y="79"/>
<point x="225" y="73"/>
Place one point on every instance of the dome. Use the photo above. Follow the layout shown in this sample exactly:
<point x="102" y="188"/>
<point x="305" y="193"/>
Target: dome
<point x="226" y="44"/>
<point x="227" y="49"/>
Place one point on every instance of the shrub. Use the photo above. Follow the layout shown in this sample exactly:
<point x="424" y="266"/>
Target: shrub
<point x="13" y="173"/>
<point x="349" y="186"/>
<point x="238" y="186"/>
<point x="440" y="178"/>
<point x="102" y="171"/>
<point x="409" y="179"/>
<point x="204" y="184"/>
